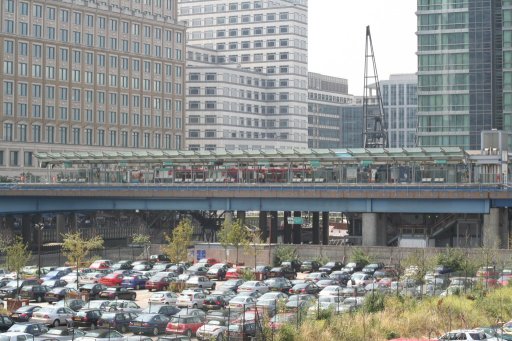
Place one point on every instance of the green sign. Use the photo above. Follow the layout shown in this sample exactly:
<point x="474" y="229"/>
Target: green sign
<point x="314" y="163"/>
<point x="441" y="162"/>
<point x="68" y="164"/>
<point x="365" y="163"/>
<point x="168" y="163"/>
<point x="264" y="163"/>
<point x="297" y="220"/>
<point x="123" y="164"/>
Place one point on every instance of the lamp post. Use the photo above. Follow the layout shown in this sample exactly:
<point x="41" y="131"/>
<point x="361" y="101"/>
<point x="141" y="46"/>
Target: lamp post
<point x="39" y="227"/>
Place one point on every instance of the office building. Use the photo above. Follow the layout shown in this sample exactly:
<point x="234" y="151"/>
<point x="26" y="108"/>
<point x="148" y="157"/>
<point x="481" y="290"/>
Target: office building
<point x="89" y="76"/>
<point x="464" y="59"/>
<point x="247" y="74"/>
<point x="400" y="100"/>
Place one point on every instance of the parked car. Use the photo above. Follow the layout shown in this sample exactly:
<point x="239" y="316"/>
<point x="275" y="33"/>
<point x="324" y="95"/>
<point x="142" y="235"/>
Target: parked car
<point x="158" y="258"/>
<point x="102" y="334"/>
<point x="191" y="300"/>
<point x="281" y="319"/>
<point x="32" y="328"/>
<point x="217" y="271"/>
<point x="125" y="306"/>
<point x="142" y="265"/>
<point x="282" y="271"/>
<point x="235" y="273"/>
<point x="186" y="325"/>
<point x="242" y="303"/>
<point x="74" y="304"/>
<point x="466" y="334"/>
<point x="163" y="297"/>
<point x="24" y="313"/>
<point x="242" y="331"/>
<point x="116" y="320"/>
<point x="209" y="261"/>
<point x="55" y="283"/>
<point x="122" y="265"/>
<point x="251" y="286"/>
<point x="153" y="324"/>
<point x="5" y="323"/>
<point x="267" y="303"/>
<point x="232" y="284"/>
<point x="371" y="268"/>
<point x="97" y="304"/>
<point x="360" y="279"/>
<point x="215" y="302"/>
<point x="163" y="309"/>
<point x="353" y="267"/>
<point x="58" y="294"/>
<point x="93" y="289"/>
<point x="299" y="302"/>
<point x="316" y="276"/>
<point x="197" y="270"/>
<point x="200" y="282"/>
<point x="261" y="272"/>
<point x="11" y="289"/>
<point x="61" y="334"/>
<point x="118" y="293"/>
<point x="86" y="318"/>
<point x="305" y="288"/>
<point x="212" y="330"/>
<point x="159" y="282"/>
<point x="331" y="290"/>
<point x="55" y="274"/>
<point x="112" y="280"/>
<point x="34" y="292"/>
<point x="54" y="316"/>
<point x="329" y="267"/>
<point x="135" y="282"/>
<point x="17" y="336"/>
<point x="278" y="284"/>
<point x="101" y="264"/>
<point x="309" y="266"/>
<point x="293" y="264"/>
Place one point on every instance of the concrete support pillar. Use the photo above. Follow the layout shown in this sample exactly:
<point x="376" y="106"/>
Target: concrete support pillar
<point x="228" y="217"/>
<point x="325" y="228"/>
<point x="371" y="229"/>
<point x="287" y="236"/>
<point x="495" y="228"/>
<point x="316" y="228"/>
<point x="240" y="215"/>
<point x="72" y="226"/>
<point x="61" y="225"/>
<point x="26" y="228"/>
<point x="263" y="225"/>
<point x="297" y="229"/>
<point x="274" y="226"/>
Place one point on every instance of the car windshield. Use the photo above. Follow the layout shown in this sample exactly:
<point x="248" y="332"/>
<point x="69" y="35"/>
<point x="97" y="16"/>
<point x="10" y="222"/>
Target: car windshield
<point x="177" y="319"/>
<point x="56" y="331"/>
<point x="108" y="316"/>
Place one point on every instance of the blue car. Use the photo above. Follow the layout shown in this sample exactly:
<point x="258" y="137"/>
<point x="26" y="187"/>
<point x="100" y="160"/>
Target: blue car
<point x="52" y="275"/>
<point x="135" y="281"/>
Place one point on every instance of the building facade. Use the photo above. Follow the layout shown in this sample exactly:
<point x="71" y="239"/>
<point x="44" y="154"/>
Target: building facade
<point x="89" y="75"/>
<point x="248" y="69"/>
<point x="400" y="100"/>
<point x="463" y="48"/>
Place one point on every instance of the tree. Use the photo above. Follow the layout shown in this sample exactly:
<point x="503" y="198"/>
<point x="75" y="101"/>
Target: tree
<point x="144" y="241"/>
<point x="361" y="257"/>
<point x="233" y="233"/>
<point x="284" y="253"/>
<point x="76" y="248"/>
<point x="179" y="242"/>
<point x="18" y="256"/>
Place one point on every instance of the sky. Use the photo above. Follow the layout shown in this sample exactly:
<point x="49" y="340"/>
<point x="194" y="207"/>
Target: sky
<point x="337" y="36"/>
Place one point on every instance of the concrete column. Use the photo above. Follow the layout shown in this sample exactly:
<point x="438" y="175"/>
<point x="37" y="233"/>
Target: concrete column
<point x="273" y="227"/>
<point x="240" y="215"/>
<point x="263" y="225"/>
<point x="316" y="228"/>
<point x="495" y="228"/>
<point x="370" y="229"/>
<point x="504" y="228"/>
<point x="61" y="225"/>
<point x="325" y="228"/>
<point x="297" y="229"/>
<point x="287" y="236"/>
<point x="228" y="217"/>
<point x="26" y="228"/>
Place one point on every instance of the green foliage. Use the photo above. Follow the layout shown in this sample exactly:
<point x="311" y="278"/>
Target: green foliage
<point x="248" y="275"/>
<point x="17" y="254"/>
<point x="179" y="241"/>
<point x="287" y="333"/>
<point x="233" y="233"/>
<point x="76" y="248"/>
<point x="321" y="259"/>
<point x="451" y="258"/>
<point x="141" y="239"/>
<point x="374" y="302"/>
<point x="284" y="253"/>
<point x="359" y="256"/>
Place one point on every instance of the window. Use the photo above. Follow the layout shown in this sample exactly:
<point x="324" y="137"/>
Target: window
<point x="13" y="159"/>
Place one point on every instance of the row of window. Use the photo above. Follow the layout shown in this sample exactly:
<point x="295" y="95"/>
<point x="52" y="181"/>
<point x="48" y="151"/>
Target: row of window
<point x="241" y="107"/>
<point x="240" y="121"/>
<point x="91" y="40"/>
<point x="241" y="93"/>
<point x="65" y="16"/>
<point x="99" y="116"/>
<point x="89" y="137"/>
<point x="208" y="134"/>
<point x="14" y="159"/>
<point x="401" y="94"/>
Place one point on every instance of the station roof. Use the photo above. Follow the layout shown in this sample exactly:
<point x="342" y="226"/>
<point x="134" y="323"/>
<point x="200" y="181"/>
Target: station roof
<point x="348" y="156"/>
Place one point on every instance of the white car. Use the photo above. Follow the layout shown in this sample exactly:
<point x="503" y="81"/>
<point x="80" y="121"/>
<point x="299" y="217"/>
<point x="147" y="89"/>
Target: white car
<point x="200" y="282"/>
<point x="316" y="276"/>
<point x="360" y="279"/>
<point x="71" y="278"/>
<point x="331" y="290"/>
<point x="191" y="300"/>
<point x="91" y="278"/>
<point x="163" y="297"/>
<point x="102" y="334"/>
<point x="213" y="330"/>
<point x="467" y="334"/>
<point x="326" y="303"/>
<point x="16" y="336"/>
<point x="242" y="302"/>
<point x="54" y="316"/>
<point x="252" y="286"/>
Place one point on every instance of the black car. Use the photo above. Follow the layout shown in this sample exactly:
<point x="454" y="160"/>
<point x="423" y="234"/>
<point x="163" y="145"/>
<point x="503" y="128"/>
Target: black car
<point x="163" y="309"/>
<point x="371" y="268"/>
<point x="309" y="266"/>
<point x="93" y="289"/>
<point x="118" y="293"/>
<point x="215" y="302"/>
<point x="118" y="321"/>
<point x="153" y="324"/>
<point x="34" y="292"/>
<point x="5" y="323"/>
<point x="341" y="277"/>
<point x="242" y="332"/>
<point x="158" y="258"/>
<point x="24" y="313"/>
<point x="33" y="328"/>
<point x="279" y="284"/>
<point x="353" y="267"/>
<point x="232" y="284"/>
<point x="261" y="272"/>
<point x="330" y="267"/>
<point x="294" y="264"/>
<point x="12" y="288"/>
<point x="86" y="318"/>
<point x="282" y="271"/>
<point x="122" y="265"/>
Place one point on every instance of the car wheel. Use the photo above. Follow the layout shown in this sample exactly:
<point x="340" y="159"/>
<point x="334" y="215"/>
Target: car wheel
<point x="124" y="329"/>
<point x="56" y="323"/>
<point x="155" y="331"/>
<point x="93" y="326"/>
<point x="188" y="333"/>
<point x="194" y="306"/>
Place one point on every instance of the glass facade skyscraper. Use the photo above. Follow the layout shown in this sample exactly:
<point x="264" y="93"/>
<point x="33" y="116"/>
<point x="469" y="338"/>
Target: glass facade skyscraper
<point x="460" y="71"/>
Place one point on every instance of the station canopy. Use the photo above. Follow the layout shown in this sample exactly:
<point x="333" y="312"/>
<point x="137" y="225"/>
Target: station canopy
<point x="330" y="156"/>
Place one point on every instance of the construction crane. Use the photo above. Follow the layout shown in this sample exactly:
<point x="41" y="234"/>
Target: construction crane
<point x="375" y="134"/>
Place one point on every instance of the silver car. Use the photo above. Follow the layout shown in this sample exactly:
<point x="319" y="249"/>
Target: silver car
<point x="54" y="316"/>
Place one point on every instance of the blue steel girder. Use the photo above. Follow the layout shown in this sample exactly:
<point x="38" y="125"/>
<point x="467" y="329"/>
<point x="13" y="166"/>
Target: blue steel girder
<point x="26" y="204"/>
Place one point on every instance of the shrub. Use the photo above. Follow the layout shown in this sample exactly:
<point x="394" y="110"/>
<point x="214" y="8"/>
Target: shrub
<point x="359" y="256"/>
<point x="284" y="253"/>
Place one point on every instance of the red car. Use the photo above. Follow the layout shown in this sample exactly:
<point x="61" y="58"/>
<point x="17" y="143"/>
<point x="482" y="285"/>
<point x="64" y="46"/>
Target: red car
<point x="234" y="273"/>
<point x="159" y="282"/>
<point x="209" y="261"/>
<point x="186" y="325"/>
<point x="112" y="280"/>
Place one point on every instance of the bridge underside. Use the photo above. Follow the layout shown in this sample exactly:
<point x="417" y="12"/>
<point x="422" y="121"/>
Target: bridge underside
<point x="357" y="205"/>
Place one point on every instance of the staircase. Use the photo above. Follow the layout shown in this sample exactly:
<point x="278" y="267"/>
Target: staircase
<point x="443" y="224"/>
